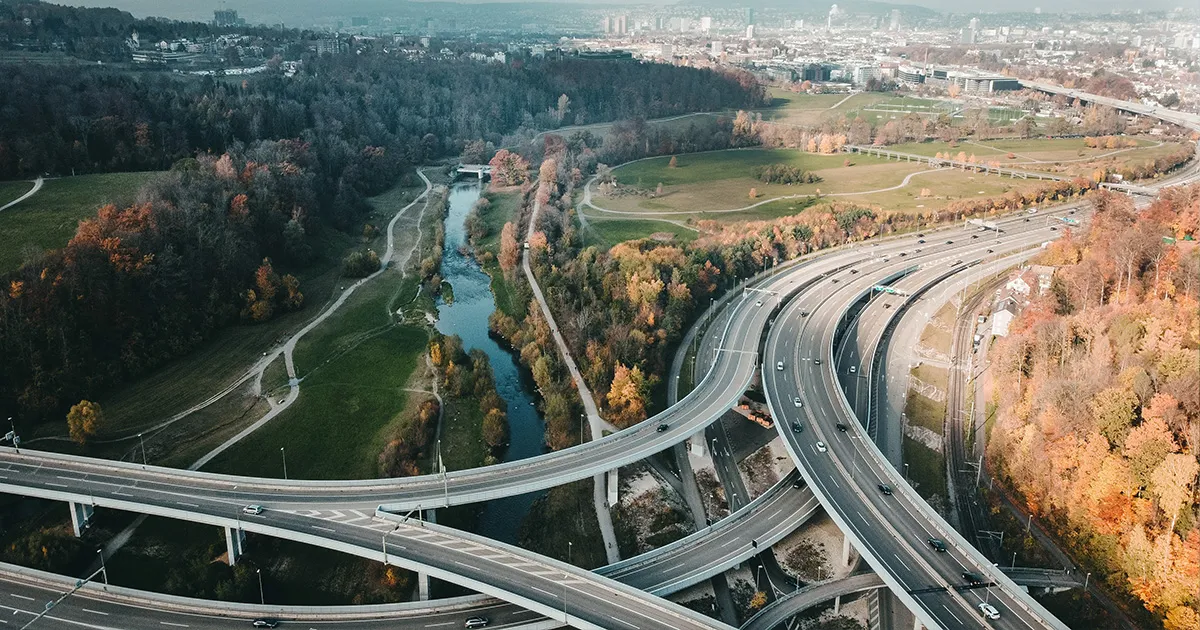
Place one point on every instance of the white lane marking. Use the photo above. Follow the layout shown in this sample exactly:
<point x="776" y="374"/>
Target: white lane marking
<point x="622" y="621"/>
<point x="324" y="529"/>
<point x="94" y="612"/>
<point x="175" y="625"/>
<point x="901" y="561"/>
<point x="28" y="599"/>
<point x="191" y="505"/>
<point x="56" y="485"/>
<point x="438" y="625"/>
<point x="864" y="519"/>
<point x="835" y="481"/>
<point x="729" y="543"/>
<point x="952" y="613"/>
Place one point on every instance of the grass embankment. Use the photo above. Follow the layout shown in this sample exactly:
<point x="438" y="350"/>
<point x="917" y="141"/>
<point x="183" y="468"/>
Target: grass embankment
<point x="927" y="465"/>
<point x="48" y="219"/>
<point x="504" y="206"/>
<point x="563" y="522"/>
<point x="609" y="232"/>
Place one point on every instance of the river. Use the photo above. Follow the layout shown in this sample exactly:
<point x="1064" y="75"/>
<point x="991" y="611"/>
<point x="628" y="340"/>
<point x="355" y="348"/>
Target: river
<point x="467" y="317"/>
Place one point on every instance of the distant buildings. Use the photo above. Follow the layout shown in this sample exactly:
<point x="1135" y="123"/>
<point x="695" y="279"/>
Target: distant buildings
<point x="227" y="17"/>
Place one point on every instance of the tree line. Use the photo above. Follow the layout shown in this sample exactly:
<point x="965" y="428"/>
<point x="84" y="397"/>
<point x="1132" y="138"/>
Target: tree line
<point x="254" y="167"/>
<point x="1098" y="398"/>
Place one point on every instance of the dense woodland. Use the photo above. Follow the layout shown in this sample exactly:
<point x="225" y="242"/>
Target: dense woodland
<point x="253" y="166"/>
<point x="1098" y="401"/>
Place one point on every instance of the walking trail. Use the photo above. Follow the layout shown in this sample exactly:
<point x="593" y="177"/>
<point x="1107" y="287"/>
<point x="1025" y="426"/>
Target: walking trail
<point x="37" y="185"/>
<point x="597" y="424"/>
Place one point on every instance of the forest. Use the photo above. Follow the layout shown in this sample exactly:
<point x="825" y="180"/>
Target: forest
<point x="1097" y="391"/>
<point x="254" y="165"/>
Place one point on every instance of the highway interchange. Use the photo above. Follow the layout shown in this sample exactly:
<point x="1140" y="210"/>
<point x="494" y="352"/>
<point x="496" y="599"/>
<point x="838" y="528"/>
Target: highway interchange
<point x="812" y="297"/>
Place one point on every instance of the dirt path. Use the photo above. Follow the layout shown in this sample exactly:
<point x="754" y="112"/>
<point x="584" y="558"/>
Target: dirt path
<point x="37" y="185"/>
<point x="289" y="348"/>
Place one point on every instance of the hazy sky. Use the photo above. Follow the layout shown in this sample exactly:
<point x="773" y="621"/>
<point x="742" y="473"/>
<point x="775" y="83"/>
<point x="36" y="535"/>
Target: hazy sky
<point x="300" y="12"/>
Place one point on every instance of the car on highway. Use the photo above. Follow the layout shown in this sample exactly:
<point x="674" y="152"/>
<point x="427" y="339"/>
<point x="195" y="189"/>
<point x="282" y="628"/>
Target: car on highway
<point x="264" y="623"/>
<point x="886" y="489"/>
<point x="988" y="610"/>
<point x="476" y="622"/>
<point x="937" y="544"/>
<point x="803" y="313"/>
<point x="921" y="235"/>
<point x="949" y="242"/>
<point x="821" y="446"/>
<point x="843" y="428"/>
<point x="972" y="578"/>
<point x="1032" y="211"/>
<point x="1053" y="229"/>
<point x="917" y="250"/>
<point x="974" y="236"/>
<point x="853" y="369"/>
<point x="853" y="271"/>
<point x="779" y="365"/>
<point x="921" y="242"/>
<point x="797" y="427"/>
<point x="991" y="251"/>
<point x="796" y="401"/>
<point x="254" y="510"/>
<point x="816" y="362"/>
<point x="663" y="427"/>
<point x="835" y="280"/>
<point x="903" y="254"/>
<point x="799" y="483"/>
<point x="758" y="303"/>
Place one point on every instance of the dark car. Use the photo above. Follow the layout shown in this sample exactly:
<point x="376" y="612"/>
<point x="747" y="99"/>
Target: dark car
<point x="663" y="427"/>
<point x="991" y="251"/>
<point x="853" y="271"/>
<point x="797" y="427"/>
<point x="886" y="489"/>
<point x="799" y="483"/>
<point x="903" y="254"/>
<point x="974" y="236"/>
<point x="1053" y="229"/>
<point x="835" y="281"/>
<point x="949" y="242"/>
<point x="922" y="241"/>
<point x="938" y="545"/>
<point x="1071" y="212"/>
<point x="476" y="622"/>
<point x="803" y="313"/>
<point x="265" y="623"/>
<point x="841" y="427"/>
<point x="1027" y="219"/>
<point x="972" y="578"/>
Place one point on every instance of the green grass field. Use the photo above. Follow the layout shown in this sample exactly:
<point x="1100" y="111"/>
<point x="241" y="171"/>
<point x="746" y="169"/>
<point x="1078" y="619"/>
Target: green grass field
<point x="609" y="232"/>
<point x="926" y="469"/>
<point x="48" y="219"/>
<point x="343" y="418"/>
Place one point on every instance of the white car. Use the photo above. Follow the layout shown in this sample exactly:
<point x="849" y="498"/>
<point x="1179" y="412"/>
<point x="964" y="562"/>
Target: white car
<point x="989" y="610"/>
<point x="821" y="446"/>
<point x="779" y="365"/>
<point x="253" y="510"/>
<point x="796" y="401"/>
<point x="758" y="303"/>
<point x="853" y="369"/>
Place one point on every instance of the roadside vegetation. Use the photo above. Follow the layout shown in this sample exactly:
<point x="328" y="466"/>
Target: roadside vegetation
<point x="1098" y="411"/>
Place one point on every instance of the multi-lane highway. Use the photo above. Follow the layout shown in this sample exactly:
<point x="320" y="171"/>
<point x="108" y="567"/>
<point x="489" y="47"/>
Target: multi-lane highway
<point x="843" y="470"/>
<point x="844" y="467"/>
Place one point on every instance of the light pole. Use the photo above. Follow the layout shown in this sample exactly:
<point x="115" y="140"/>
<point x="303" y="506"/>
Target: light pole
<point x="385" y="535"/>
<point x="1014" y="562"/>
<point x="1087" y="578"/>
<point x="261" y="598"/>
<point x="16" y="440"/>
<point x="283" y="455"/>
<point x="906" y="472"/>
<point x="103" y="568"/>
<point x="143" y="443"/>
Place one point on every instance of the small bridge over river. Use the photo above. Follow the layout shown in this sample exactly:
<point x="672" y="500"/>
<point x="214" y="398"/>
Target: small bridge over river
<point x="478" y="170"/>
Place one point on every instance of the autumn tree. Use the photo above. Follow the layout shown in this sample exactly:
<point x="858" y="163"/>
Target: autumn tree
<point x="627" y="396"/>
<point x="510" y="252"/>
<point x="674" y="163"/>
<point x="508" y="169"/>
<point x="84" y="421"/>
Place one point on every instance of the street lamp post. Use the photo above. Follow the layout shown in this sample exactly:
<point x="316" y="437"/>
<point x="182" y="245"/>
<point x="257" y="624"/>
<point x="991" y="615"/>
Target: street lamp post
<point x="261" y="597"/>
<point x="1087" y="578"/>
<point x="283" y="455"/>
<point x="103" y="567"/>
<point x="906" y="472"/>
<point x="143" y="443"/>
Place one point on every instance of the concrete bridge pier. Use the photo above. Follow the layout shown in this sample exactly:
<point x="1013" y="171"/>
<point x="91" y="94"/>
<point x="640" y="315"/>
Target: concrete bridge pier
<point x="612" y="487"/>
<point x="846" y="550"/>
<point x="837" y="605"/>
<point x="81" y="516"/>
<point x="235" y="544"/>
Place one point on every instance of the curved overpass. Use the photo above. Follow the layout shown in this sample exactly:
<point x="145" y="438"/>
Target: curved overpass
<point x="889" y="531"/>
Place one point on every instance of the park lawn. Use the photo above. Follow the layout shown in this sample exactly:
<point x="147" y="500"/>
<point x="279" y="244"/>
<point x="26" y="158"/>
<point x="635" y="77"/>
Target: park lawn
<point x="11" y="190"/>
<point x="944" y="186"/>
<point x="503" y="208"/>
<point x="926" y="469"/>
<point x="346" y="412"/>
<point x="609" y="232"/>
<point x="48" y="219"/>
